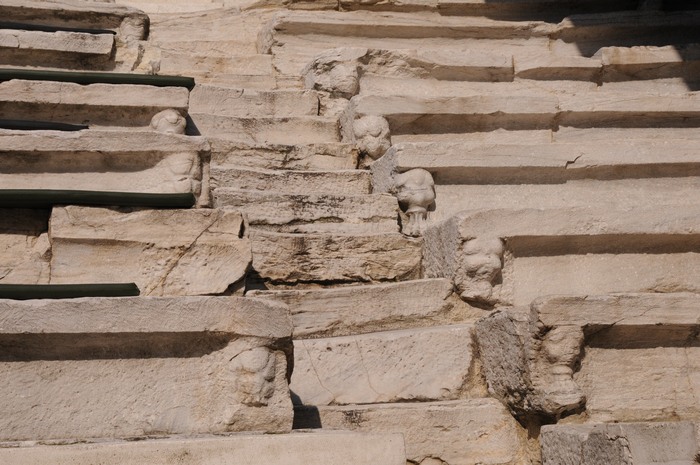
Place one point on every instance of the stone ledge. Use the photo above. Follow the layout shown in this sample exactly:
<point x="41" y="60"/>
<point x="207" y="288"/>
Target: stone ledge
<point x="307" y="448"/>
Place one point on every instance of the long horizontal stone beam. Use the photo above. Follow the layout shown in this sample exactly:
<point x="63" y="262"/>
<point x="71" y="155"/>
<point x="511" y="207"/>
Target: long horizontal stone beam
<point x="307" y="448"/>
<point x="94" y="104"/>
<point x="130" y="23"/>
<point x="130" y="367"/>
<point x="58" y="42"/>
<point x="456" y="163"/>
<point x="104" y="161"/>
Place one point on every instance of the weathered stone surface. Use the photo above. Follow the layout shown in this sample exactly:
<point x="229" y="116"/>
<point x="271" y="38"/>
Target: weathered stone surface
<point x="620" y="443"/>
<point x="551" y="66"/>
<point x="536" y="362"/>
<point x="361" y="309"/>
<point x="61" y="42"/>
<point x="103" y="161"/>
<point x="165" y="252"/>
<point x="312" y="213"/>
<point x="394" y="366"/>
<point x="209" y="66"/>
<point x="324" y="156"/>
<point x="335" y="257"/>
<point x="94" y="104"/>
<point x="129" y="23"/>
<point x="25" y="251"/>
<point x="307" y="448"/>
<point x="475" y="431"/>
<point x="142" y="366"/>
<point x="342" y="182"/>
<point x="224" y="101"/>
<point x="269" y="130"/>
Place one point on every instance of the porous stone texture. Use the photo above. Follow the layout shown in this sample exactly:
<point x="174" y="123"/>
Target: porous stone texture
<point x="475" y="431"/>
<point x="620" y="443"/>
<point x="308" y="448"/>
<point x="165" y="252"/>
<point x="123" y="367"/>
<point x="361" y="309"/>
<point x="395" y="366"/>
<point x="25" y="251"/>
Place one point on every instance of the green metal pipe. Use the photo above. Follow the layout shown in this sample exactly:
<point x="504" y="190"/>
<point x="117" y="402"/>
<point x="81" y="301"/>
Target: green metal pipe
<point x="44" y="198"/>
<point x="21" y="125"/>
<point x="67" y="291"/>
<point x="95" y="77"/>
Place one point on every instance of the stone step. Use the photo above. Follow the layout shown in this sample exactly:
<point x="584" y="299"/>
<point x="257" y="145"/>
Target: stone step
<point x="575" y="250"/>
<point x="131" y="366"/>
<point x="172" y="6"/>
<point x="98" y="105"/>
<point x="468" y="163"/>
<point x="409" y="114"/>
<point x="471" y="432"/>
<point x="587" y="336"/>
<point x="533" y="9"/>
<point x="145" y="162"/>
<point x="208" y="66"/>
<point x="298" y="448"/>
<point x="165" y="252"/>
<point x="346" y="182"/>
<point x="671" y="443"/>
<point x="319" y="157"/>
<point x="61" y="49"/>
<point x="314" y="213"/>
<point x="25" y="251"/>
<point x="128" y="23"/>
<point x="426" y="364"/>
<point x="244" y="103"/>
<point x="303" y="258"/>
<point x="362" y="309"/>
<point x="297" y="130"/>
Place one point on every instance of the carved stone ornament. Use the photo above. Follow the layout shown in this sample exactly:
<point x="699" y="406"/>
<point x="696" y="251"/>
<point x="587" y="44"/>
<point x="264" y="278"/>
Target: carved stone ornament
<point x="372" y="135"/>
<point x="415" y="191"/>
<point x="169" y="122"/>
<point x="481" y="264"/>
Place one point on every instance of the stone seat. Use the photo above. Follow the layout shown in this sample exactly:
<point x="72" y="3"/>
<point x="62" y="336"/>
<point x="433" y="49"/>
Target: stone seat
<point x="98" y="105"/>
<point x="103" y="161"/>
<point x="514" y="255"/>
<point x="236" y="70"/>
<point x="298" y="448"/>
<point x="226" y="101"/>
<point x="128" y="23"/>
<point x="491" y="163"/>
<point x="61" y="49"/>
<point x="133" y="366"/>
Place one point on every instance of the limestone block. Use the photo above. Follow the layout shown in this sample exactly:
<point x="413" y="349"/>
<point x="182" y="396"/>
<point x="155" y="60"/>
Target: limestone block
<point x="165" y="252"/>
<point x="361" y="309"/>
<point x="132" y="366"/>
<point x="224" y="101"/>
<point x="329" y="156"/>
<point x="307" y="448"/>
<point x="94" y="104"/>
<point x="552" y="66"/>
<point x="207" y="65"/>
<point x="345" y="182"/>
<point x="25" y="251"/>
<point x="393" y="366"/>
<point x="129" y="23"/>
<point x="474" y="431"/>
<point x="169" y="122"/>
<point x="312" y="213"/>
<point x="269" y="130"/>
<point x="335" y="257"/>
<point x="620" y="443"/>
<point x="103" y="161"/>
<point x="537" y="363"/>
<point x="62" y="42"/>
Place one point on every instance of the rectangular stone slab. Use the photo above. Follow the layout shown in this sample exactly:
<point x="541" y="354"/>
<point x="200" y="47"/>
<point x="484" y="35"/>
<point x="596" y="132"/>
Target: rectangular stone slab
<point x="313" y="213"/>
<point x="147" y="162"/>
<point x="471" y="432"/>
<point x="341" y="182"/>
<point x="335" y="257"/>
<point x="93" y="104"/>
<point x="165" y="252"/>
<point x="392" y="366"/>
<point x="268" y="129"/>
<point x="351" y="310"/>
<point x="640" y="443"/>
<point x="129" y="23"/>
<point x="308" y="448"/>
<point x="224" y="101"/>
<point x="57" y="42"/>
<point x="25" y="251"/>
<point x="133" y="366"/>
